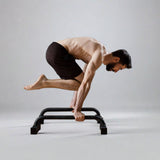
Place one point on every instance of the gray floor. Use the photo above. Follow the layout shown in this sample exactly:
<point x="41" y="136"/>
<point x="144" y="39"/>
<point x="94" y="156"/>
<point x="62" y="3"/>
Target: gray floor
<point x="131" y="135"/>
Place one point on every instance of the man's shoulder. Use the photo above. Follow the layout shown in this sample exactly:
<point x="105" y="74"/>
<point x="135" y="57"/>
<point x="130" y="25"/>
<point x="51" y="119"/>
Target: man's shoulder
<point x="96" y="60"/>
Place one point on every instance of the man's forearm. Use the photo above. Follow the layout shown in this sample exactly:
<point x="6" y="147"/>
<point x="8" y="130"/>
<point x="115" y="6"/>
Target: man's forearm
<point x="73" y="103"/>
<point x="81" y="95"/>
<point x="84" y="88"/>
<point x="75" y="93"/>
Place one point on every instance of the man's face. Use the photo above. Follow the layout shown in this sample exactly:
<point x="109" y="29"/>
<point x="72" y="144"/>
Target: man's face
<point x="115" y="67"/>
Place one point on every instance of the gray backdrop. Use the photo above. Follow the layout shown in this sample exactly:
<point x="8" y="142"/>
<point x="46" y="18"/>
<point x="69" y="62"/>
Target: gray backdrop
<point x="28" y="27"/>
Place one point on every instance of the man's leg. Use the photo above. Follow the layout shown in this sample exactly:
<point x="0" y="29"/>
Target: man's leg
<point x="43" y="82"/>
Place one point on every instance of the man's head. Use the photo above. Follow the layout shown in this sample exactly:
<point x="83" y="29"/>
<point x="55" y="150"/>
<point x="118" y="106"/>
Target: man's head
<point x="120" y="60"/>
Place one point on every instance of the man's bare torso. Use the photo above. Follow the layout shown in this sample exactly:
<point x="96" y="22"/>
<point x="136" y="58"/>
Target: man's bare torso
<point x="83" y="48"/>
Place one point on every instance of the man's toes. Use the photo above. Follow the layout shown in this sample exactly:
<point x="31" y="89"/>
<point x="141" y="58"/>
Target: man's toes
<point x="27" y="87"/>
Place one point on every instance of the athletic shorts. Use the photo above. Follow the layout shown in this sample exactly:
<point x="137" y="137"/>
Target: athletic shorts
<point x="62" y="62"/>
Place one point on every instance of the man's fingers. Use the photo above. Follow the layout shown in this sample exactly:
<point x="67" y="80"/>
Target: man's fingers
<point x="80" y="118"/>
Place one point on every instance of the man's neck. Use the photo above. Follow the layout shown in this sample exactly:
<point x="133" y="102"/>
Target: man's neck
<point x="107" y="58"/>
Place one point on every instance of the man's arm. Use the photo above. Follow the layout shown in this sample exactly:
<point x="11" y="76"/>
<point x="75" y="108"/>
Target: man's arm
<point x="85" y="85"/>
<point x="84" y="88"/>
<point x="73" y="102"/>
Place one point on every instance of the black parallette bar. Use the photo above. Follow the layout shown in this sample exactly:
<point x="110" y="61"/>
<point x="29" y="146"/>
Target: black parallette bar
<point x="64" y="109"/>
<point x="66" y="117"/>
<point x="40" y="120"/>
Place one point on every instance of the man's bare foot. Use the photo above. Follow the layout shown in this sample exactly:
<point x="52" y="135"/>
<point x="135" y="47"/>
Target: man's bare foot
<point x="38" y="84"/>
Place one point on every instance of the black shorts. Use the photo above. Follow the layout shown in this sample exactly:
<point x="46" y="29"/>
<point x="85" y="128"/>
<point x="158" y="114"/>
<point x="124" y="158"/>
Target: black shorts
<point x="62" y="62"/>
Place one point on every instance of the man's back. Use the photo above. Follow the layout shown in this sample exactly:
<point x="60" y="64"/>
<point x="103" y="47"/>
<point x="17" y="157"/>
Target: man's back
<point x="82" y="47"/>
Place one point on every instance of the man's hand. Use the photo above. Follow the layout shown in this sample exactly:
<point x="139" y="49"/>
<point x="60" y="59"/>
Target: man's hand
<point x="79" y="116"/>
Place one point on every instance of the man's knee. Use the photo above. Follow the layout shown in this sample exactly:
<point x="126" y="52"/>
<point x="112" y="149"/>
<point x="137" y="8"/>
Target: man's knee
<point x="77" y="85"/>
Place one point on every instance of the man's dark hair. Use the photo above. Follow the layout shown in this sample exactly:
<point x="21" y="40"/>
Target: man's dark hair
<point x="125" y="58"/>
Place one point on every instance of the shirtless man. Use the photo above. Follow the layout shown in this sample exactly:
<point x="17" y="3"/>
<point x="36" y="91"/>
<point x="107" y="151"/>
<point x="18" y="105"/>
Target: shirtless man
<point x="61" y="56"/>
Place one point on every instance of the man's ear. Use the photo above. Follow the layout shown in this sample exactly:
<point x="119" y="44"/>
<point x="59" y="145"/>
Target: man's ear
<point x="116" y="59"/>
